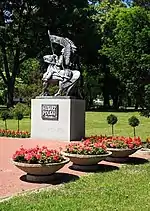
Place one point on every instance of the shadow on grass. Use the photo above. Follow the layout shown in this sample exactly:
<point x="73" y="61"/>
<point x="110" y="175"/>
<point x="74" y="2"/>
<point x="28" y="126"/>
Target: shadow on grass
<point x="94" y="168"/>
<point x="136" y="161"/>
<point x="54" y="179"/>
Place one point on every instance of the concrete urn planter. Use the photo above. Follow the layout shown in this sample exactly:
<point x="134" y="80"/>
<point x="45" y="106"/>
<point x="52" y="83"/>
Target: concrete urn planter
<point x="40" y="172"/>
<point x="145" y="151"/>
<point x="120" y="155"/>
<point x="85" y="162"/>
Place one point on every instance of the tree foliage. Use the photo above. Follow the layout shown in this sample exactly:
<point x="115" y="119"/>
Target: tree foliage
<point x="126" y="40"/>
<point x="23" y="32"/>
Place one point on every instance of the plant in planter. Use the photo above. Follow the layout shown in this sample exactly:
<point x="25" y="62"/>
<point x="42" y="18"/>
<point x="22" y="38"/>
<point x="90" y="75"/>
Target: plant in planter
<point x="148" y="142"/>
<point x="86" y="155"/>
<point x="133" y="122"/>
<point x="38" y="163"/>
<point x="121" y="147"/>
<point x="146" y="147"/>
<point x="112" y="120"/>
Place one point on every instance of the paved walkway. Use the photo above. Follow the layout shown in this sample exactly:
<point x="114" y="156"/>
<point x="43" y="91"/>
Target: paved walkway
<point x="12" y="179"/>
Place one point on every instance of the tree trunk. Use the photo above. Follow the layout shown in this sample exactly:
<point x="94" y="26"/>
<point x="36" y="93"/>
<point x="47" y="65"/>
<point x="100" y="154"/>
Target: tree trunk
<point x="105" y="91"/>
<point x="112" y="129"/>
<point x="10" y="93"/>
<point x="18" y="125"/>
<point x="106" y="99"/>
<point x="5" y="124"/>
<point x="115" y="102"/>
<point x="134" y="131"/>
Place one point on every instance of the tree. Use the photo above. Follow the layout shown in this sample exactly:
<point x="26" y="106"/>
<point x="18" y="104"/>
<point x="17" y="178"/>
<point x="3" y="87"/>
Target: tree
<point x="142" y="3"/>
<point x="18" y="39"/>
<point x="133" y="122"/>
<point x="5" y="116"/>
<point x="105" y="76"/>
<point x="126" y="41"/>
<point x="112" y="120"/>
<point x="23" y="32"/>
<point x="18" y="116"/>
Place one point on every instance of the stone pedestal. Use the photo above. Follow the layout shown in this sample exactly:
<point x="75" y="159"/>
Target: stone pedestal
<point x="57" y="118"/>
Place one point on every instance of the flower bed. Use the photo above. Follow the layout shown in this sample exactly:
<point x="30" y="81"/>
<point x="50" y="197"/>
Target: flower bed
<point x="14" y="134"/>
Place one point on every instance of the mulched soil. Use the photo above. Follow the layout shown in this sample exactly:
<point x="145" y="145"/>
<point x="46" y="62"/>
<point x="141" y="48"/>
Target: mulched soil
<point x="12" y="180"/>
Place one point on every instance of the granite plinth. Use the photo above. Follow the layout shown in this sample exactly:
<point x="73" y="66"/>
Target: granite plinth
<point x="56" y="118"/>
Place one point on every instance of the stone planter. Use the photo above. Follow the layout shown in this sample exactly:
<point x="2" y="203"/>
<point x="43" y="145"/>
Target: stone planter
<point x="145" y="151"/>
<point x="40" y="172"/>
<point x="120" y="155"/>
<point x="85" y="162"/>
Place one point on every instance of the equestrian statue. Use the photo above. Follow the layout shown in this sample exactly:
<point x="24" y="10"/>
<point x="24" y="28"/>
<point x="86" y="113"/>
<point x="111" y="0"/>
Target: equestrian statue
<point x="63" y="68"/>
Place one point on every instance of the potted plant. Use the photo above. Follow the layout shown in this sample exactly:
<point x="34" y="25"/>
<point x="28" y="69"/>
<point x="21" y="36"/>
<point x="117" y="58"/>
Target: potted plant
<point x="121" y="147"/>
<point x="86" y="155"/>
<point x="38" y="163"/>
<point x="146" y="147"/>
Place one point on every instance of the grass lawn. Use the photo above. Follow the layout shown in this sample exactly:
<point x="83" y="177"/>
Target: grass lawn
<point x="127" y="189"/>
<point x="96" y="124"/>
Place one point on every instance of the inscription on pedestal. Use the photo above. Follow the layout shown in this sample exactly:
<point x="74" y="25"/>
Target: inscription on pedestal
<point x="50" y="112"/>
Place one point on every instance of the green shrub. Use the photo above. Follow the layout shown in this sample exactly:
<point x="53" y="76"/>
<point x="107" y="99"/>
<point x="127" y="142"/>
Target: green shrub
<point x="11" y="115"/>
<point x="22" y="108"/>
<point x="133" y="122"/>
<point x="112" y="120"/>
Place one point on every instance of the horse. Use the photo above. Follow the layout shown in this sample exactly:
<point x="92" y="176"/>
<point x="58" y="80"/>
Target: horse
<point x="55" y="74"/>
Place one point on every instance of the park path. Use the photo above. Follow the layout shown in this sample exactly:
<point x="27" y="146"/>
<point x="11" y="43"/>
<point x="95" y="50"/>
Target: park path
<point x="12" y="179"/>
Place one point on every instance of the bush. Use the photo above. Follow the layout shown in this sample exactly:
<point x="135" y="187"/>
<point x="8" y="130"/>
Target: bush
<point x="22" y="108"/>
<point x="4" y="115"/>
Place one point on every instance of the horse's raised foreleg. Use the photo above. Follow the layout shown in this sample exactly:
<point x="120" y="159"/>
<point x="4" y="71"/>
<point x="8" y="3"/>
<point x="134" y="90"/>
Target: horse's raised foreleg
<point x="60" y="89"/>
<point x="45" y="91"/>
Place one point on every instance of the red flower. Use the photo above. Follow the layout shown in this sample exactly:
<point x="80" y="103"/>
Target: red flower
<point x="37" y="155"/>
<point x="28" y="156"/>
<point x="131" y="146"/>
<point x="48" y="153"/>
<point x="55" y="157"/>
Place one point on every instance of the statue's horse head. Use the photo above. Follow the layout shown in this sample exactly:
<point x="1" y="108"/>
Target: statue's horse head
<point x="50" y="58"/>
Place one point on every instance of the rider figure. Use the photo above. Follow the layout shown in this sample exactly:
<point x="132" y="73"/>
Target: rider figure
<point x="51" y="60"/>
<point x="61" y="64"/>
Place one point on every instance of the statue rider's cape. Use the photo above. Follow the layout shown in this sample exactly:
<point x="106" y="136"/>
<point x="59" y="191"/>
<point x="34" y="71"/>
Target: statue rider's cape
<point x="66" y="43"/>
